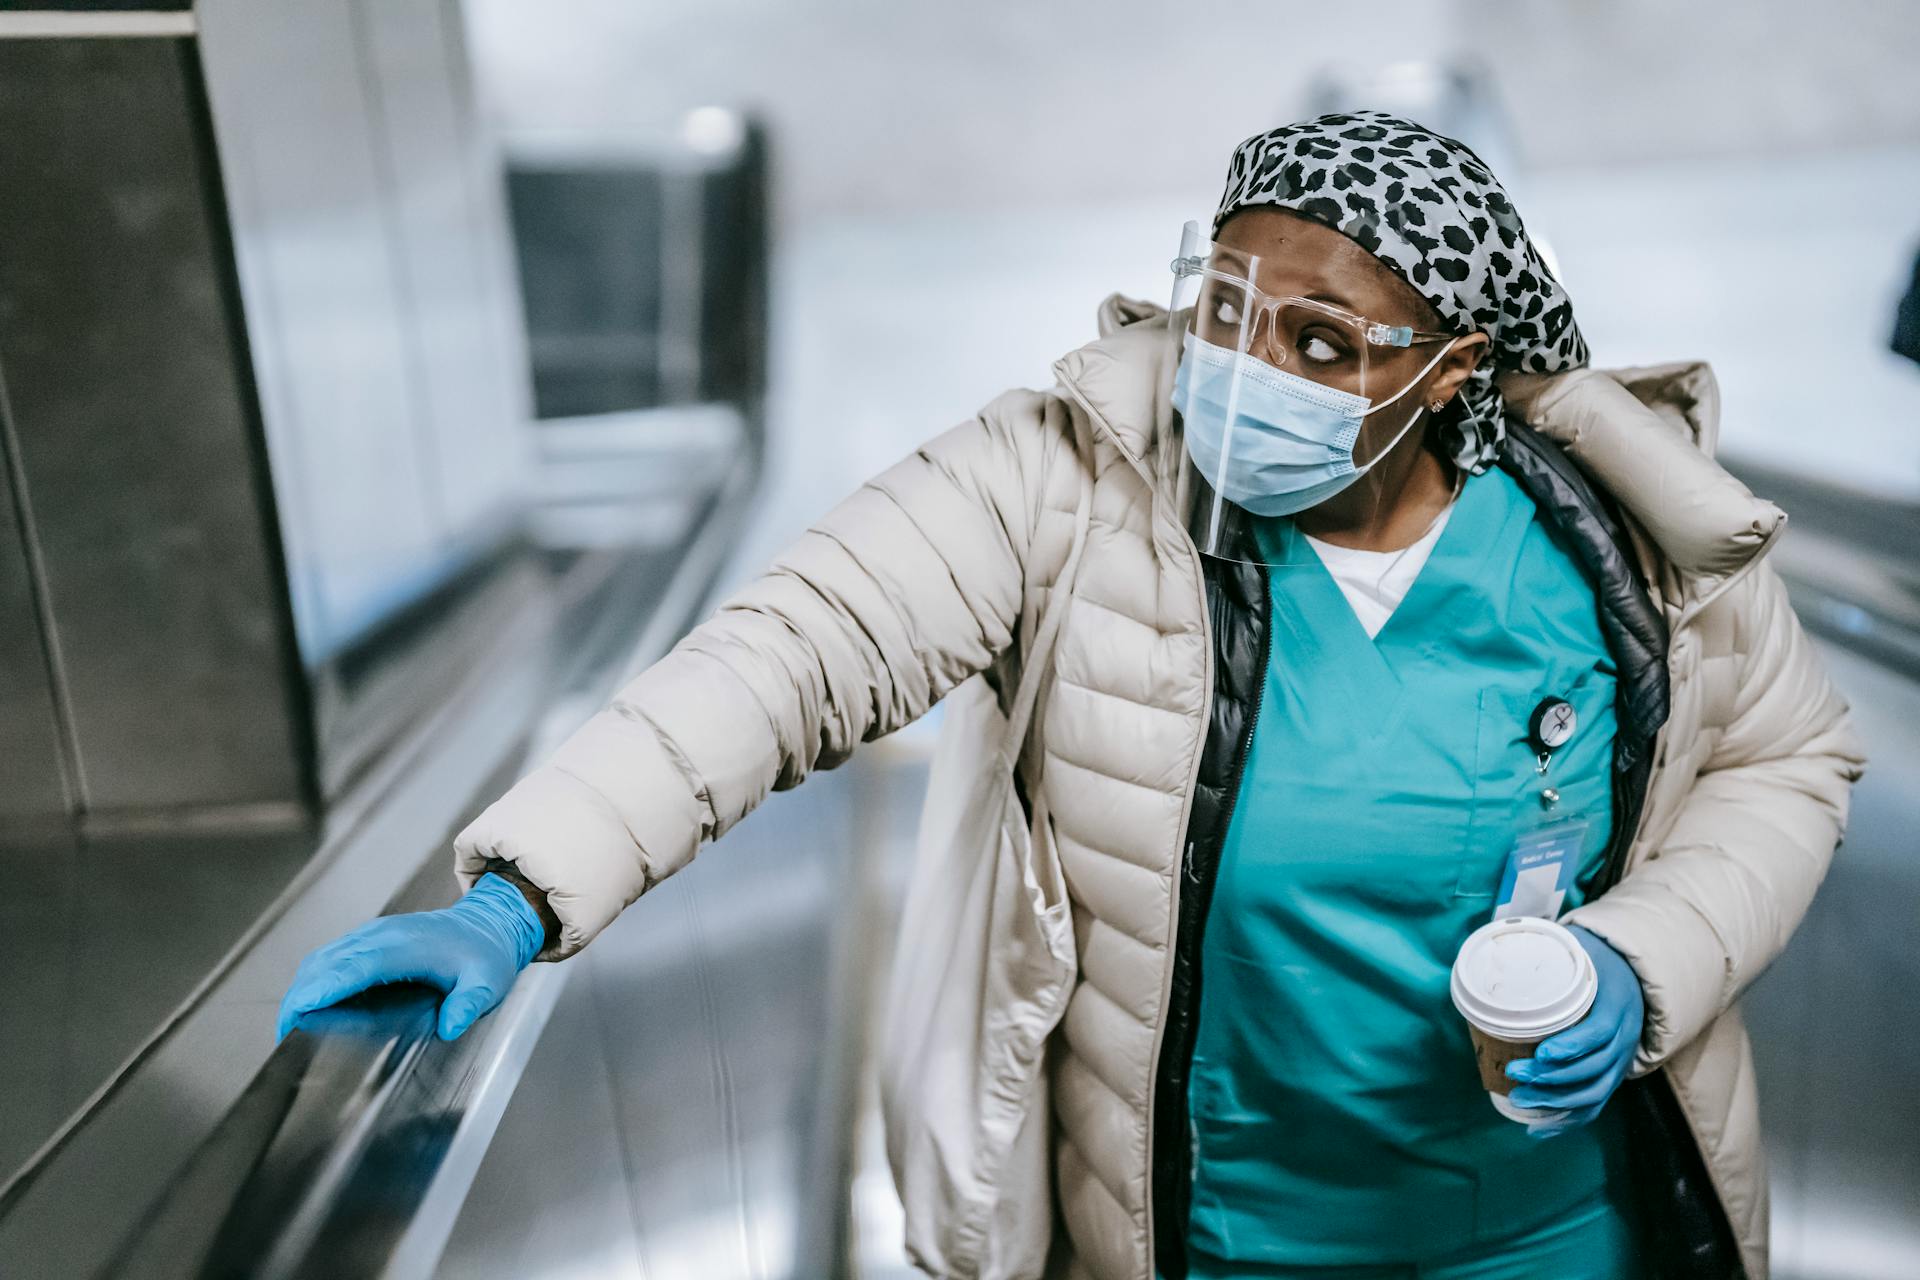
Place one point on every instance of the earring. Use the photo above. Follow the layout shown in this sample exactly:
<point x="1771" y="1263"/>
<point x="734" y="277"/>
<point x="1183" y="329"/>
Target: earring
<point x="1437" y="406"/>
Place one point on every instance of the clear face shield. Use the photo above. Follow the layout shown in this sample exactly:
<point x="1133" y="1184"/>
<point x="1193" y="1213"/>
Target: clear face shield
<point x="1284" y="401"/>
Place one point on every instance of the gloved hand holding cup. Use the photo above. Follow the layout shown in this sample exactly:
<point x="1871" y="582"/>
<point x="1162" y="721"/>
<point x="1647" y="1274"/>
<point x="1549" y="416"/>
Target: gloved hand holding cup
<point x="1518" y="981"/>
<point x="1573" y="1072"/>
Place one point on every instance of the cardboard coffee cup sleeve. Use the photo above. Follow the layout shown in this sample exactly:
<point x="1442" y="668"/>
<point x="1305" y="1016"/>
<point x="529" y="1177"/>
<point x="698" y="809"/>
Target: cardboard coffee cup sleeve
<point x="1492" y="1056"/>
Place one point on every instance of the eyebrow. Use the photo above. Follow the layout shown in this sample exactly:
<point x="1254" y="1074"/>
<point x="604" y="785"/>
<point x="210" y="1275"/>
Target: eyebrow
<point x="1319" y="295"/>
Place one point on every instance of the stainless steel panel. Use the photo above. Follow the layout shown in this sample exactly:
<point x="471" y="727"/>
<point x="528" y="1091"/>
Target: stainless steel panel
<point x="65" y="1217"/>
<point x="36" y="916"/>
<point x="120" y="352"/>
<point x="281" y="1181"/>
<point x="466" y="363"/>
<point x="301" y="153"/>
<point x="32" y="786"/>
<point x="100" y="940"/>
<point x="370" y="238"/>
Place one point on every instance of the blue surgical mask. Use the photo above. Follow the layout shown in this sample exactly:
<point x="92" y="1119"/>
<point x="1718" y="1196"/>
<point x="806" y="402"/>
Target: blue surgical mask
<point x="1291" y="438"/>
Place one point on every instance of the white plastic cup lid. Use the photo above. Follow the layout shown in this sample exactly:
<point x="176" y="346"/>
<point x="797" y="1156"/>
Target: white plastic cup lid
<point x="1523" y="979"/>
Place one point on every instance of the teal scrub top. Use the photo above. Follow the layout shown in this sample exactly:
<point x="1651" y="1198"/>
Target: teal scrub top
<point x="1337" y="1117"/>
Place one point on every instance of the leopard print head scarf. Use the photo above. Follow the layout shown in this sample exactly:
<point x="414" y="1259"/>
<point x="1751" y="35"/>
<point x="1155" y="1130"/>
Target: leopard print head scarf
<point x="1430" y="209"/>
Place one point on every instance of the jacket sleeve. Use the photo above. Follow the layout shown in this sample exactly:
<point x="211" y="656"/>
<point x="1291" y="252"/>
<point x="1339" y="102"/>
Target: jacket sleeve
<point x="1705" y="913"/>
<point x="906" y="589"/>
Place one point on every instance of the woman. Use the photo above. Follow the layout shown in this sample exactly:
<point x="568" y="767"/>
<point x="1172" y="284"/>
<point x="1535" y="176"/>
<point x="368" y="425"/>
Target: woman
<point x="1324" y="591"/>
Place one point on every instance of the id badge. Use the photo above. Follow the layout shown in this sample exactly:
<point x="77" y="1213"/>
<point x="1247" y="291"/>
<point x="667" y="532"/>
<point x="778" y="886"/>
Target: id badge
<point x="1540" y="870"/>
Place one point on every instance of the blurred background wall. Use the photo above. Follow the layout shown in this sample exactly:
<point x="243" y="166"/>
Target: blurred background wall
<point x="1729" y="181"/>
<point x="999" y="104"/>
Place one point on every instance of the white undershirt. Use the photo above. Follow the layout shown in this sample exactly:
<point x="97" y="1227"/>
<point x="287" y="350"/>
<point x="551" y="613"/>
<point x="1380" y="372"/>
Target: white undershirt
<point x="1375" y="582"/>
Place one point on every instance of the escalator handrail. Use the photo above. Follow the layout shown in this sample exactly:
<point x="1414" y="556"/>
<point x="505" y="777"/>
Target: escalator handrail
<point x="351" y="1150"/>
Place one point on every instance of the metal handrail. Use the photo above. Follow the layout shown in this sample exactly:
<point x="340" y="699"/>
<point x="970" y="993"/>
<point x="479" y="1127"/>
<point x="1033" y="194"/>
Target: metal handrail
<point x="351" y="1150"/>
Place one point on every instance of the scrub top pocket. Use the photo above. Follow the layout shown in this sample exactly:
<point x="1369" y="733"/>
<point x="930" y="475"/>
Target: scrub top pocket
<point x="1508" y="786"/>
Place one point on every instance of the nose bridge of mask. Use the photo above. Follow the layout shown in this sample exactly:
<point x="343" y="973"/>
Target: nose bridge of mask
<point x="1288" y="447"/>
<point x="1285" y="382"/>
<point x="1239" y="367"/>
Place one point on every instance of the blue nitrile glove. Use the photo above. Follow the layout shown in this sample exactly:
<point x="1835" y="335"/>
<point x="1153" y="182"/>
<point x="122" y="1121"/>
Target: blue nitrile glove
<point x="1574" y="1072"/>
<point x="472" y="950"/>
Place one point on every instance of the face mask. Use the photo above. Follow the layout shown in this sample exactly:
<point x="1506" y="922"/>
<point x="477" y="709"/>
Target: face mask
<point x="1291" y="440"/>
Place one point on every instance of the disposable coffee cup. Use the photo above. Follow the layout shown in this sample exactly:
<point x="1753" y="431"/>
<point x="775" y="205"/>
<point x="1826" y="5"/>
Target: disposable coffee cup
<point x="1516" y="982"/>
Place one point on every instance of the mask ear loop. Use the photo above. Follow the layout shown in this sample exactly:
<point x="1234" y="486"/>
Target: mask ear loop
<point x="1418" y="410"/>
<point x="1411" y="382"/>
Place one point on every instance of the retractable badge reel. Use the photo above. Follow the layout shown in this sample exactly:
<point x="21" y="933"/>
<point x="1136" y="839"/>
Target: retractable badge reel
<point x="1540" y="866"/>
<point x="1550" y="728"/>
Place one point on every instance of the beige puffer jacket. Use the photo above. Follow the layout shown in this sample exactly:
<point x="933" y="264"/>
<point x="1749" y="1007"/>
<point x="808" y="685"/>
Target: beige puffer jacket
<point x="918" y="581"/>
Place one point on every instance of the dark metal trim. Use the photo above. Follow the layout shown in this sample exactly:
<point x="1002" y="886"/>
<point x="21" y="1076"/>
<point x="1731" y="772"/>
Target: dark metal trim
<point x="13" y="469"/>
<point x="224" y="261"/>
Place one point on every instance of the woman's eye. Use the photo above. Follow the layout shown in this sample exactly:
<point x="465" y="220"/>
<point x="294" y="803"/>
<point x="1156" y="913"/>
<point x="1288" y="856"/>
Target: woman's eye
<point x="1226" y="311"/>
<point x="1318" y="349"/>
